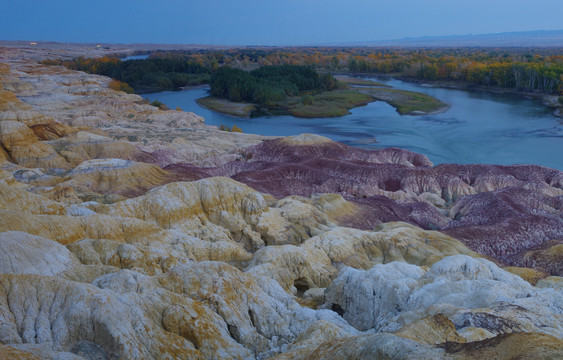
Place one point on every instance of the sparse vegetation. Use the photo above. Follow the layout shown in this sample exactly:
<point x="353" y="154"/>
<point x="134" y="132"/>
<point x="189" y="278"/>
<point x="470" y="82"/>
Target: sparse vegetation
<point x="227" y="107"/>
<point x="228" y="129"/>
<point x="120" y="86"/>
<point x="160" y="105"/>
<point x="307" y="100"/>
<point x="327" y="104"/>
<point x="349" y="80"/>
<point x="406" y="102"/>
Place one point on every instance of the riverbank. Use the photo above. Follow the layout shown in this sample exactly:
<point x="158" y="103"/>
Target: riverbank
<point x="356" y="81"/>
<point x="336" y="103"/>
<point x="407" y="102"/>
<point x="550" y="101"/>
<point x="227" y="107"/>
<point x="327" y="104"/>
<point x="324" y="105"/>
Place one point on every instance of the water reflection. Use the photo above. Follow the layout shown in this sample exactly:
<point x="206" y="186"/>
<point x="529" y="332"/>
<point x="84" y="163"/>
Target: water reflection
<point x="479" y="127"/>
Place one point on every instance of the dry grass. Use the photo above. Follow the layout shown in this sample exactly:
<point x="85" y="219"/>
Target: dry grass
<point x="226" y="106"/>
<point x="407" y="102"/>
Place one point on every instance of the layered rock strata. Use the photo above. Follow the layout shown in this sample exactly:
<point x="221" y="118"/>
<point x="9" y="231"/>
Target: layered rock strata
<point x="127" y="232"/>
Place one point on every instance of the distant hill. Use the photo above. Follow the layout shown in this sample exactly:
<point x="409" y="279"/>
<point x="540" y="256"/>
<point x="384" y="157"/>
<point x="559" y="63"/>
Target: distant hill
<point x="541" y="38"/>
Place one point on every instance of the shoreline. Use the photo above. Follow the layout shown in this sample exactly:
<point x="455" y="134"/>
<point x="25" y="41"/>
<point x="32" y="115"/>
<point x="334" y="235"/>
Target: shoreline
<point x="543" y="98"/>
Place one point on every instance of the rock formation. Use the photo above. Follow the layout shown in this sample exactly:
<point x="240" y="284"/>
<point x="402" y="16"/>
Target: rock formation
<point x="127" y="232"/>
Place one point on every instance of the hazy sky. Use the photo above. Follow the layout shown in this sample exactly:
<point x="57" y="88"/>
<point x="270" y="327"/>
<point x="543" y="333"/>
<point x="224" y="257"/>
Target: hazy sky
<point x="267" y="22"/>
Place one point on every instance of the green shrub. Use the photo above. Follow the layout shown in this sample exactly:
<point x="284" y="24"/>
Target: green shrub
<point x="560" y="99"/>
<point x="228" y="129"/>
<point x="158" y="104"/>
<point x="120" y="86"/>
<point x="307" y="100"/>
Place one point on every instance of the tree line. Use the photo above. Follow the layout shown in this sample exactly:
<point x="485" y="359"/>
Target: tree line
<point x="143" y="75"/>
<point x="269" y="84"/>
<point x="537" y="70"/>
<point x="523" y="69"/>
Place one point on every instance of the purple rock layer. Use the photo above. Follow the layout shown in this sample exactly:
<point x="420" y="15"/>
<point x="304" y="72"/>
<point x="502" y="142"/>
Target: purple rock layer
<point x="499" y="211"/>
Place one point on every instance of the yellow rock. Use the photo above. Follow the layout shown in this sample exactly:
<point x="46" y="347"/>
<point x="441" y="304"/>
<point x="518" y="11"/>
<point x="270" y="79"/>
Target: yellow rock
<point x="366" y="347"/>
<point x="85" y="145"/>
<point x="312" y="264"/>
<point x="3" y="155"/>
<point x="305" y="139"/>
<point x="25" y="149"/>
<point x="431" y="330"/>
<point x="17" y="200"/>
<point x="555" y="282"/>
<point x="196" y="207"/>
<point x="550" y="258"/>
<point x="510" y="346"/>
<point x="10" y="102"/>
<point x="116" y="176"/>
<point x="530" y="275"/>
<point x="68" y="229"/>
<point x="10" y="353"/>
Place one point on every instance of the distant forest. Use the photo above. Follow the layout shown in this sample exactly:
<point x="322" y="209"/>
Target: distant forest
<point x="269" y="84"/>
<point x="143" y="75"/>
<point x="520" y="69"/>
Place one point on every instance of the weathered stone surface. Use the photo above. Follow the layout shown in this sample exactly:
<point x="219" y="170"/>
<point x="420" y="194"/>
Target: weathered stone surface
<point x="312" y="265"/>
<point x="510" y="346"/>
<point x="21" y="253"/>
<point x="321" y="251"/>
<point x="11" y="353"/>
<point x="25" y="149"/>
<point x="364" y="347"/>
<point x="92" y="314"/>
<point x="85" y="145"/>
<point x="16" y="199"/>
<point x="116" y="176"/>
<point x="500" y="211"/>
<point x="387" y="297"/>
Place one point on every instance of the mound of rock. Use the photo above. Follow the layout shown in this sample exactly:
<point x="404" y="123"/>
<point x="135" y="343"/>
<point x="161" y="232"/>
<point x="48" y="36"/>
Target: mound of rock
<point x="116" y="176"/>
<point x="24" y="148"/>
<point x="161" y="237"/>
<point x="500" y="211"/>
<point x="479" y="299"/>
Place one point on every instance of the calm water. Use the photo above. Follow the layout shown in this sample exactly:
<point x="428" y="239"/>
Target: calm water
<point x="135" y="57"/>
<point x="479" y="127"/>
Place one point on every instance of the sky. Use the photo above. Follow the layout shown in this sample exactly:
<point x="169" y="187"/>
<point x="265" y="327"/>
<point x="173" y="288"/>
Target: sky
<point x="267" y="22"/>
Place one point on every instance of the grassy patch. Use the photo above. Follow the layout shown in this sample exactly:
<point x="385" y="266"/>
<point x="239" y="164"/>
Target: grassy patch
<point x="332" y="103"/>
<point x="327" y="104"/>
<point x="349" y="80"/>
<point x="227" y="107"/>
<point x="407" y="102"/>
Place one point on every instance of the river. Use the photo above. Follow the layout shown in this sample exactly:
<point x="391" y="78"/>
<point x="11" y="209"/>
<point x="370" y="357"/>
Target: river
<point x="479" y="127"/>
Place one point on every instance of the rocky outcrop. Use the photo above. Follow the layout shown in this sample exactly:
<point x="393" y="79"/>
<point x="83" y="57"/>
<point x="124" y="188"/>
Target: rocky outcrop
<point x="387" y="297"/>
<point x="500" y="211"/>
<point x="85" y="145"/>
<point x="22" y="253"/>
<point x="161" y="237"/>
<point x="116" y="176"/>
<point x="509" y="346"/>
<point x="25" y="149"/>
<point x="513" y="224"/>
